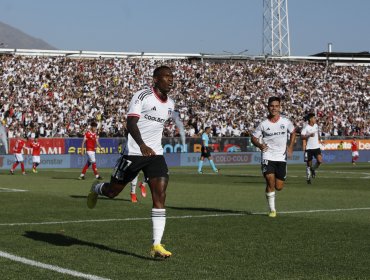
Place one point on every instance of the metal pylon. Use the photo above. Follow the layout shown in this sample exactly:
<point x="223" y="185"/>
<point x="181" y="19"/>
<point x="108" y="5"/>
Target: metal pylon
<point x="276" y="39"/>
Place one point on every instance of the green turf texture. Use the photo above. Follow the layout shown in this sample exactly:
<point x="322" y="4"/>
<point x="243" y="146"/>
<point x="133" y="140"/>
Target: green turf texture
<point x="216" y="227"/>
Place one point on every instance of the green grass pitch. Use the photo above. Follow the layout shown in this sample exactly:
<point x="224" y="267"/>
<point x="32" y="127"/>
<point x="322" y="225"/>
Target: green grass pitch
<point x="217" y="227"/>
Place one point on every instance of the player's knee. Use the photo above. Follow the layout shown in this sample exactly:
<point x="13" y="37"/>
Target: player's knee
<point x="279" y="185"/>
<point x="111" y="193"/>
<point x="279" y="188"/>
<point x="113" y="189"/>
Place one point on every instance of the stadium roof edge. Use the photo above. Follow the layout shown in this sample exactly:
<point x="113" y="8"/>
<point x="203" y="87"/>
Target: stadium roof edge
<point x="161" y="56"/>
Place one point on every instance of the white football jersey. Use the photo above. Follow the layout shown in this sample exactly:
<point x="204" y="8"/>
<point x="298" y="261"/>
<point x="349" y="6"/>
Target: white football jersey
<point x="275" y="136"/>
<point x="312" y="142"/>
<point x="152" y="113"/>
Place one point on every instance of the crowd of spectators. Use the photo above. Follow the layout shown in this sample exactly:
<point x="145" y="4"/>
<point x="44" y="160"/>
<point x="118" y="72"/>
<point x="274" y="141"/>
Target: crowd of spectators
<point x="58" y="96"/>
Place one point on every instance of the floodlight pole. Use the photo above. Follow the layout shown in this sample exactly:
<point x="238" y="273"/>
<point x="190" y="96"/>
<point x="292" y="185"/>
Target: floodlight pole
<point x="276" y="40"/>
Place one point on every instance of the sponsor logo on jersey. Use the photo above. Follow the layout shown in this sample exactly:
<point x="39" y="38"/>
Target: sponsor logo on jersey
<point x="274" y="133"/>
<point x="156" y="119"/>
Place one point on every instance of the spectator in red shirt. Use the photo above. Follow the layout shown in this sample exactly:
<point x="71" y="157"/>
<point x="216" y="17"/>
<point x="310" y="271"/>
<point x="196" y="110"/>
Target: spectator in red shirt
<point x="18" y="153"/>
<point x="355" y="153"/>
<point x="91" y="139"/>
<point x="36" y="151"/>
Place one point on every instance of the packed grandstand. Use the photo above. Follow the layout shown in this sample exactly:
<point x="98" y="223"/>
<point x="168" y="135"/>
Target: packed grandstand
<point x="58" y="96"/>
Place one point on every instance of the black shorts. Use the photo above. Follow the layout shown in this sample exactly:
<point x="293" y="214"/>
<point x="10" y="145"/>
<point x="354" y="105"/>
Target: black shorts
<point x="127" y="168"/>
<point x="310" y="154"/>
<point x="274" y="167"/>
<point x="204" y="153"/>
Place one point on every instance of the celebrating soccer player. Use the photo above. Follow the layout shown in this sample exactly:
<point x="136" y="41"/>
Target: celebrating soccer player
<point x="355" y="153"/>
<point x="149" y="109"/>
<point x="36" y="151"/>
<point x="91" y="139"/>
<point x="271" y="138"/>
<point x="18" y="153"/>
<point x="311" y="146"/>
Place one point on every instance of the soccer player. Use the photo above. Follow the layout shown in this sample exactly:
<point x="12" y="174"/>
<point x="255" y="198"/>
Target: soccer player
<point x="311" y="146"/>
<point x="133" y="189"/>
<point x="36" y="151"/>
<point x="149" y="109"/>
<point x="205" y="152"/>
<point x="355" y="153"/>
<point x="271" y="138"/>
<point x="18" y="153"/>
<point x="91" y="139"/>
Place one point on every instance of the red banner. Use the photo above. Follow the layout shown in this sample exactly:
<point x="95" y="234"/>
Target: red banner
<point x="49" y="146"/>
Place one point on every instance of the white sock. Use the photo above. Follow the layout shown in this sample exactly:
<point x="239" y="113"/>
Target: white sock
<point x="159" y="223"/>
<point x="270" y="196"/>
<point x="98" y="188"/>
<point x="133" y="184"/>
<point x="308" y="172"/>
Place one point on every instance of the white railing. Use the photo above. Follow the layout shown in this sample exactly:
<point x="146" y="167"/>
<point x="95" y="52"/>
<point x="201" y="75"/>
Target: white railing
<point x="359" y="61"/>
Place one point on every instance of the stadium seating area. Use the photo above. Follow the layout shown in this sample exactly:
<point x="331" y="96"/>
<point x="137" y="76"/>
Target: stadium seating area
<point x="58" y="96"/>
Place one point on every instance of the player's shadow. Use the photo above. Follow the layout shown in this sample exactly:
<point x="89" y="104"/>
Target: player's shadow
<point x="101" y="197"/>
<point x="58" y="239"/>
<point x="63" y="178"/>
<point x="212" y="210"/>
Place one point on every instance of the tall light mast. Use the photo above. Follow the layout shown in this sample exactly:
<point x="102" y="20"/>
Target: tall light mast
<point x="276" y="41"/>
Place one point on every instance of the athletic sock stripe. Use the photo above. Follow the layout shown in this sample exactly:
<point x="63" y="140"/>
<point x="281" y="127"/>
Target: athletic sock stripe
<point x="160" y="213"/>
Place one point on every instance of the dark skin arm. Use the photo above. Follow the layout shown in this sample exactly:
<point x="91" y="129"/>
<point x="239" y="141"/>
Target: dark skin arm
<point x="133" y="129"/>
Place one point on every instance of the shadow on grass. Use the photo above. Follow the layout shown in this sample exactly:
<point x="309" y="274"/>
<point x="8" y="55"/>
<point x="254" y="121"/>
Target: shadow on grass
<point x="100" y="198"/>
<point x="58" y="239"/>
<point x="64" y="178"/>
<point x="213" y="210"/>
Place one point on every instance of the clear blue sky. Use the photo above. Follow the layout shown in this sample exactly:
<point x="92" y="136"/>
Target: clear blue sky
<point x="207" y="26"/>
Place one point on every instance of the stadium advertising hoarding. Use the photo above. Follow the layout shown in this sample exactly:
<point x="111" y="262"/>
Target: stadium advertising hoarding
<point x="332" y="145"/>
<point x="109" y="145"/>
<point x="194" y="145"/>
<point x="46" y="161"/>
<point x="49" y="146"/>
<point x="191" y="159"/>
<point x="174" y="159"/>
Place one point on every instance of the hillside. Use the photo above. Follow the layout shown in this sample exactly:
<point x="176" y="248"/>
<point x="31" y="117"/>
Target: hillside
<point x="11" y="37"/>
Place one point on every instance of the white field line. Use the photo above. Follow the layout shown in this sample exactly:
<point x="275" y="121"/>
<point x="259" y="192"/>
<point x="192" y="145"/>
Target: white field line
<point x="364" y="175"/>
<point x="12" y="190"/>
<point x="50" y="267"/>
<point x="317" y="211"/>
<point x="186" y="216"/>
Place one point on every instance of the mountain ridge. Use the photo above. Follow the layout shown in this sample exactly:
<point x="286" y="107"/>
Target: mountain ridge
<point x="13" y="38"/>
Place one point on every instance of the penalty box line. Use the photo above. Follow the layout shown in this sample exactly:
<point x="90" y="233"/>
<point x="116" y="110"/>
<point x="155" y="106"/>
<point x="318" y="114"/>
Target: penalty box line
<point x="187" y="216"/>
<point x="50" y="267"/>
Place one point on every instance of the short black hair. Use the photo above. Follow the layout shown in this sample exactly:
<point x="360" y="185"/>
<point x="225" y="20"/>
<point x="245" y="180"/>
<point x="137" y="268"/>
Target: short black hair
<point x="157" y="71"/>
<point x="94" y="124"/>
<point x="207" y="127"/>
<point x="272" y="99"/>
<point x="309" y="116"/>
